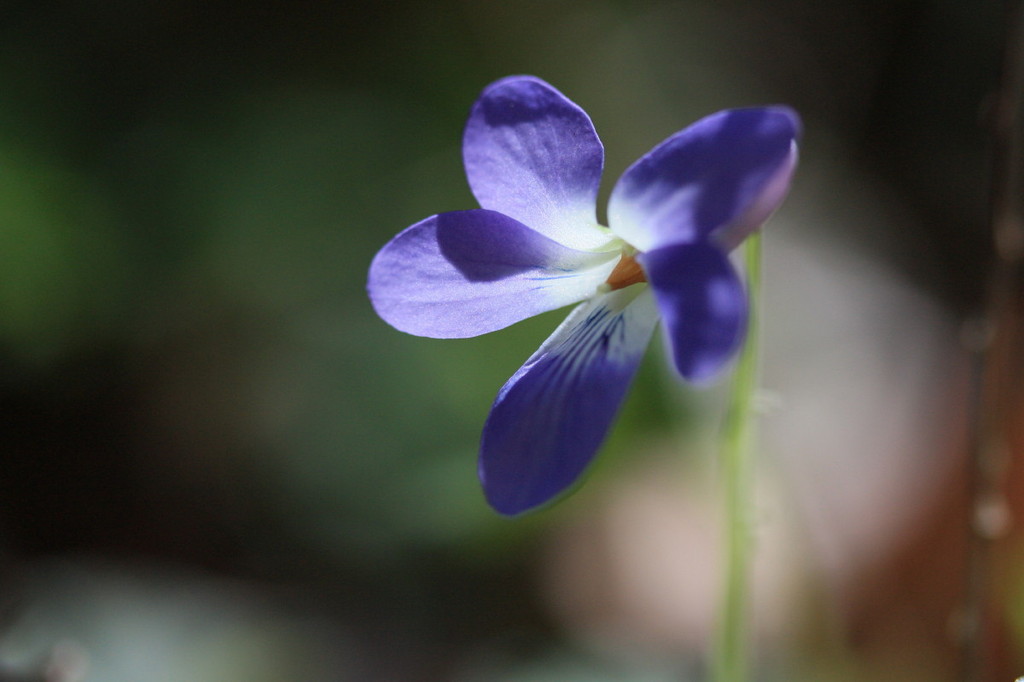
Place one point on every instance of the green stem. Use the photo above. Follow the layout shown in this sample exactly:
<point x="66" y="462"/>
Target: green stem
<point x="731" y="658"/>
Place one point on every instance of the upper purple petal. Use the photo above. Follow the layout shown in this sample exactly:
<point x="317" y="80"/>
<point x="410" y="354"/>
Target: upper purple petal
<point x="534" y="155"/>
<point x="702" y="302"/>
<point x="549" y="420"/>
<point x="466" y="273"/>
<point x="706" y="177"/>
<point x="757" y="213"/>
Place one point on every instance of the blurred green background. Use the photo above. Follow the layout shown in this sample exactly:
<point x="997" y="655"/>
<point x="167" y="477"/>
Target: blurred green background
<point x="216" y="463"/>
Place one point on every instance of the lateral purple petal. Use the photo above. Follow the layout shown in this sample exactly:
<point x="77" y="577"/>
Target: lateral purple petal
<point x="534" y="155"/>
<point x="774" y="191"/>
<point x="549" y="420"/>
<point x="703" y="305"/>
<point x="466" y="273"/>
<point x="705" y="177"/>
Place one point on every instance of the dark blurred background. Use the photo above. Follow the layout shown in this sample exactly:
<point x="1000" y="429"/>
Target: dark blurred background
<point x="216" y="463"/>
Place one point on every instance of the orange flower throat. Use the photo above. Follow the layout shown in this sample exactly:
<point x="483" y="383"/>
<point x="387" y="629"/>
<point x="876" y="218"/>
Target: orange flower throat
<point x="627" y="271"/>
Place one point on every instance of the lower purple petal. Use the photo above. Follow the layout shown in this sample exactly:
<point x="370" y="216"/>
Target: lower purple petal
<point x="466" y="273"/>
<point x="550" y="419"/>
<point x="703" y="305"/>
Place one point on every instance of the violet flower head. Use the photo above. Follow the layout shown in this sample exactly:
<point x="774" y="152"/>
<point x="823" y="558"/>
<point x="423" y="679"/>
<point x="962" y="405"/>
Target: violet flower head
<point x="534" y="162"/>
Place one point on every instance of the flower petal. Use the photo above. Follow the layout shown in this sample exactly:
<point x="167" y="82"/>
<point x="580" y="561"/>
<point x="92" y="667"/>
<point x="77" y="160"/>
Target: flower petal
<point x="702" y="302"/>
<point x="534" y="155"/>
<point x="757" y="213"/>
<point x="706" y="177"/>
<point x="466" y="273"/>
<point x="549" y="420"/>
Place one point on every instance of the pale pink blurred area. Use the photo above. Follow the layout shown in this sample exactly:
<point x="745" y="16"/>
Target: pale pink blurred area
<point x="868" y="372"/>
<point x="642" y="569"/>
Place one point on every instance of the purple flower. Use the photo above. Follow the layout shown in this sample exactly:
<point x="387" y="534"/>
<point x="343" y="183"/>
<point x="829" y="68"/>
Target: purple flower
<point x="534" y="163"/>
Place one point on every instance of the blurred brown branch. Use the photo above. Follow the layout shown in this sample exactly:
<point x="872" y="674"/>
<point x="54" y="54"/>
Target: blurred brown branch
<point x="998" y="394"/>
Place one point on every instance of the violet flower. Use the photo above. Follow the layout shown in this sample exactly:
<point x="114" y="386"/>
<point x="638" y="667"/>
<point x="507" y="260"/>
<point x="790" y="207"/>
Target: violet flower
<point x="534" y="162"/>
